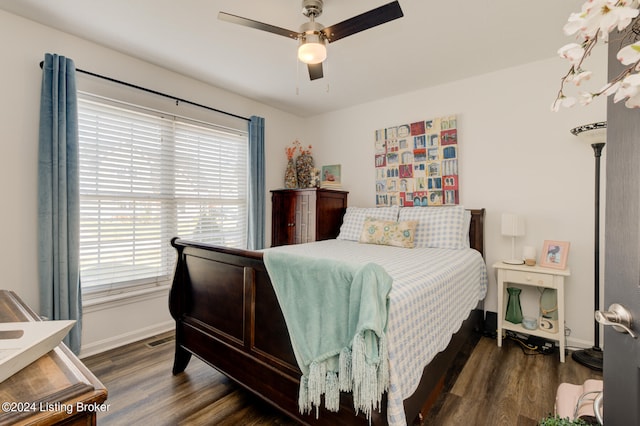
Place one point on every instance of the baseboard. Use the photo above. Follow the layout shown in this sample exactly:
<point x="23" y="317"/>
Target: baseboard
<point x="124" y="339"/>
<point x="579" y="343"/>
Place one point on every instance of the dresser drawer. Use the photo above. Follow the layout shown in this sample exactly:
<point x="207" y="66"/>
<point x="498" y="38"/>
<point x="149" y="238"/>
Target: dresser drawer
<point x="530" y="278"/>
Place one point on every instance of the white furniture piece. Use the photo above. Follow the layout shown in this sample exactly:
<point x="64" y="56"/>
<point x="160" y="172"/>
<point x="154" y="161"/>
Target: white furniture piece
<point x="534" y="276"/>
<point x="21" y="343"/>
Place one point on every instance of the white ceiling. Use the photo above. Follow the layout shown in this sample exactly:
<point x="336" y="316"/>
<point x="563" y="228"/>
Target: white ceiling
<point x="435" y="42"/>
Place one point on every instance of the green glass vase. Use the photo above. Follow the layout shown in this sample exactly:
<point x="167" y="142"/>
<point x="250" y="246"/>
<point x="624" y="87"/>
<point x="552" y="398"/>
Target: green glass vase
<point x="514" y="310"/>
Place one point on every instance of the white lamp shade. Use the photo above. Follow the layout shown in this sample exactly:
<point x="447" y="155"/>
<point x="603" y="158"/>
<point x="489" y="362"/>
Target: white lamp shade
<point x="512" y="225"/>
<point x="312" y="49"/>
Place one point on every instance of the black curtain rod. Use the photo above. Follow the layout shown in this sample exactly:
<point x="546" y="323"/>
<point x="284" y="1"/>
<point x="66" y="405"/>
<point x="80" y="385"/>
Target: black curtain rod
<point x="124" y="83"/>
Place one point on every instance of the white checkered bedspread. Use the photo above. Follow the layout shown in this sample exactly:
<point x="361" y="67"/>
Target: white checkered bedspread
<point x="433" y="292"/>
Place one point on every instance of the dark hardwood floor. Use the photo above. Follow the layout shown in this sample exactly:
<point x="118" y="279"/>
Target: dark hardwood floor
<point x="494" y="386"/>
<point x="505" y="386"/>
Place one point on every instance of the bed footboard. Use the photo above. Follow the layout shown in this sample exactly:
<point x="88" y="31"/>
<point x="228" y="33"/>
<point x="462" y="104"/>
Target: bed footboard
<point x="227" y="314"/>
<point x="217" y="298"/>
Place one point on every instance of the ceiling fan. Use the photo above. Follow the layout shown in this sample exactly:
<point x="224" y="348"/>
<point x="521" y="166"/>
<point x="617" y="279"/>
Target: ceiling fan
<point x="313" y="36"/>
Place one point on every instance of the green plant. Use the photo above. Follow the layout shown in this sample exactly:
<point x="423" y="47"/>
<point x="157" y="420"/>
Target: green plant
<point x="557" y="421"/>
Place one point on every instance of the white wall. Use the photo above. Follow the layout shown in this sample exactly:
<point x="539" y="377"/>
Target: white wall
<point x="515" y="156"/>
<point x="24" y="46"/>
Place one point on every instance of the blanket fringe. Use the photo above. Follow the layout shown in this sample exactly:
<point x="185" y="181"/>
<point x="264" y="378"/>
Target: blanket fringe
<point x="344" y="372"/>
<point x="383" y="370"/>
<point x="367" y="379"/>
<point x="303" y="396"/>
<point x="332" y="392"/>
<point x="317" y="382"/>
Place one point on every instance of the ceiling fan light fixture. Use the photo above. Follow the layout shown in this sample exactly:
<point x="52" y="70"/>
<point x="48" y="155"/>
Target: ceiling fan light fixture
<point x="312" y="49"/>
<point x="313" y="36"/>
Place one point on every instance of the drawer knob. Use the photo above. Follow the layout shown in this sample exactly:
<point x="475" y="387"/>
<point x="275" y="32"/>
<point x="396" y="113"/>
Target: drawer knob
<point x="529" y="277"/>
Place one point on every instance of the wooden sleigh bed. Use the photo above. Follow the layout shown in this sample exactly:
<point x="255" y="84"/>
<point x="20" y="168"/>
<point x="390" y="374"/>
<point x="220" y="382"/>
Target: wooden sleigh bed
<point x="227" y="314"/>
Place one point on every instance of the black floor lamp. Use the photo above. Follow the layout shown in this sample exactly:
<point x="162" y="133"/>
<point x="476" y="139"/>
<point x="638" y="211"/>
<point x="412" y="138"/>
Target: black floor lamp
<point x="596" y="135"/>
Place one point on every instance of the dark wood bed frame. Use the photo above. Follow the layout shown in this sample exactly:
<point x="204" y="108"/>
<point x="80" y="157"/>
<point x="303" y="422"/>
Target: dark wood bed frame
<point x="227" y="314"/>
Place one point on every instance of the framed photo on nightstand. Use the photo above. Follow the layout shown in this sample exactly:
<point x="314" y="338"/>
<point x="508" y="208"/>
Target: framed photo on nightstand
<point x="554" y="254"/>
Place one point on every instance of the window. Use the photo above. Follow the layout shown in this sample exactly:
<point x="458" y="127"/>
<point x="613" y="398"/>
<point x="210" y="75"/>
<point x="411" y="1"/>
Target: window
<point x="146" y="177"/>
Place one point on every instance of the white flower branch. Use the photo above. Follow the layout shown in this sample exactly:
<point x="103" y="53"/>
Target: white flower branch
<point x="594" y="23"/>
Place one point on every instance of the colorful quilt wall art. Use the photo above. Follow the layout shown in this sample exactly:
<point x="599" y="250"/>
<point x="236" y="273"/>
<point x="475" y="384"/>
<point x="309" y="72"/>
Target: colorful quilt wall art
<point x="417" y="163"/>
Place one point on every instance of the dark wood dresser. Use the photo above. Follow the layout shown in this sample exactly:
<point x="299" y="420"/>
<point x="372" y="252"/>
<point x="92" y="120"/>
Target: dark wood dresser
<point x="306" y="215"/>
<point x="56" y="389"/>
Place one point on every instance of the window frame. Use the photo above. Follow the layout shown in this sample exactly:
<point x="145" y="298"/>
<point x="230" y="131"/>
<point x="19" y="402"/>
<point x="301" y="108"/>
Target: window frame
<point x="162" y="282"/>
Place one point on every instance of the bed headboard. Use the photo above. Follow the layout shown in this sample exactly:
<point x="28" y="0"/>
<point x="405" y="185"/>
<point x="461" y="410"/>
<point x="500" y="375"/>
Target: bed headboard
<point x="476" y="230"/>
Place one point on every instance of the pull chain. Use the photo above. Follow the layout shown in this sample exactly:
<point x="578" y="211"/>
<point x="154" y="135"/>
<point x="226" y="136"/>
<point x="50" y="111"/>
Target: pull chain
<point x="297" y="77"/>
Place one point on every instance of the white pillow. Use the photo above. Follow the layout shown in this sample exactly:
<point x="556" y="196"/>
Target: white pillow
<point x="354" y="220"/>
<point x="439" y="227"/>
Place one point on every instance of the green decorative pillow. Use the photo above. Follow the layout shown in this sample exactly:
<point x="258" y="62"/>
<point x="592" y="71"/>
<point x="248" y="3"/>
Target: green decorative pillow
<point x="389" y="232"/>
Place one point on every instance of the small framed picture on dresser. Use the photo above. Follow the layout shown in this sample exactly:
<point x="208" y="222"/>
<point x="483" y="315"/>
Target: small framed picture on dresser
<point x="331" y="176"/>
<point x="554" y="254"/>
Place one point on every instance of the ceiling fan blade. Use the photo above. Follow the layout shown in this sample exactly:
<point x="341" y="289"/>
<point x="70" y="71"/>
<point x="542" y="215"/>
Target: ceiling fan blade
<point x="257" y="25"/>
<point x="364" y="21"/>
<point x="315" y="71"/>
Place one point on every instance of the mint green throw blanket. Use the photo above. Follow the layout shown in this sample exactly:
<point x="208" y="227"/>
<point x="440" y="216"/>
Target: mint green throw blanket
<point x="336" y="314"/>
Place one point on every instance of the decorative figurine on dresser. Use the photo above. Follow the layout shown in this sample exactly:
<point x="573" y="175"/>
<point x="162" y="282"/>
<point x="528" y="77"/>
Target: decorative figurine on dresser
<point x="305" y="215"/>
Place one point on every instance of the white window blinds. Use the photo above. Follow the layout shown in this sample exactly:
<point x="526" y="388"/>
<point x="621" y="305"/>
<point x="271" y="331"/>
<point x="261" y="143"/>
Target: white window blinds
<point x="146" y="177"/>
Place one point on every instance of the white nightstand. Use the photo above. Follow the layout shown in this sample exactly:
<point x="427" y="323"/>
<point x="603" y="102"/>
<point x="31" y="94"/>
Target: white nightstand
<point x="534" y="276"/>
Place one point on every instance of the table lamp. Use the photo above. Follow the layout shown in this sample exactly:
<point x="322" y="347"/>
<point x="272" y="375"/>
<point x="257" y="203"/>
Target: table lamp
<point x="513" y="226"/>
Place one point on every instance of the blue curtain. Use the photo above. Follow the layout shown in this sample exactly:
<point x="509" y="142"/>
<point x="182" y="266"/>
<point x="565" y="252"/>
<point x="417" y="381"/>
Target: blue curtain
<point x="255" y="238"/>
<point x="58" y="197"/>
